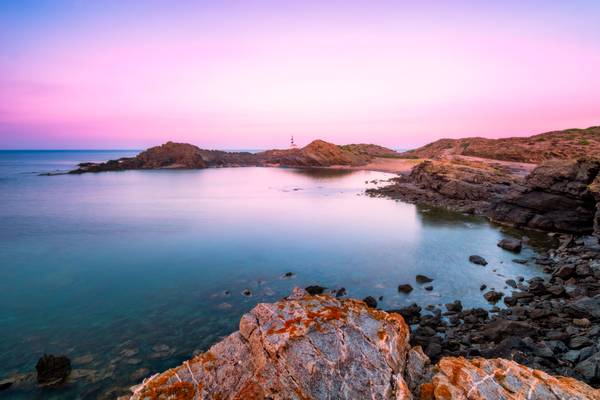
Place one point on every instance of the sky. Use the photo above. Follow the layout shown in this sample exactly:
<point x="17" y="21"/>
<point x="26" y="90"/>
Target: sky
<point x="249" y="74"/>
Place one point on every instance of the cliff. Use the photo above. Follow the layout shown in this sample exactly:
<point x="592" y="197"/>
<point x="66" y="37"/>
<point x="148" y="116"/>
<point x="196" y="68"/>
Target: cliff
<point x="566" y="144"/>
<point x="182" y="155"/>
<point x="319" y="347"/>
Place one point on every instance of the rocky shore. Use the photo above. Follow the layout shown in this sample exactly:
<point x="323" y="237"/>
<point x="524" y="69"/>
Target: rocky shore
<point x="186" y="156"/>
<point x="321" y="347"/>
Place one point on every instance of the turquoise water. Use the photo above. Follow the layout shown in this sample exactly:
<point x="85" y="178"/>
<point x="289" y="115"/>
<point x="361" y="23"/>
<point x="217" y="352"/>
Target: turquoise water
<point x="129" y="273"/>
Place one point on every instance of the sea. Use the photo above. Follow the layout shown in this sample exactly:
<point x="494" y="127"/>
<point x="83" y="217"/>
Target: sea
<point x="130" y="273"/>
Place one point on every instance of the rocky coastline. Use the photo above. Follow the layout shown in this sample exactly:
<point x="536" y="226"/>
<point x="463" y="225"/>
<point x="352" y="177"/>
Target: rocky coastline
<point x="319" y="347"/>
<point x="186" y="156"/>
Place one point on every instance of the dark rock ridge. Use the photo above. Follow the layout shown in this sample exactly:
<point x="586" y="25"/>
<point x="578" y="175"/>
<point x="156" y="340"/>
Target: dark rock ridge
<point x="557" y="196"/>
<point x="182" y="155"/>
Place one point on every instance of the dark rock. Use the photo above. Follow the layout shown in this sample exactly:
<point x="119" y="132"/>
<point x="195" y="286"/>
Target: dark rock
<point x="429" y="288"/>
<point x="433" y="350"/>
<point x="510" y="301"/>
<point x="501" y="327"/>
<point x="314" y="289"/>
<point x="423" y="279"/>
<point x="565" y="271"/>
<point x="406" y="288"/>
<point x="341" y="292"/>
<point x="455" y="306"/>
<point x="483" y="287"/>
<point x="520" y="261"/>
<point x="370" y="301"/>
<point x="5" y="384"/>
<point x="511" y="283"/>
<point x="571" y="356"/>
<point x="513" y="245"/>
<point x="288" y="274"/>
<point x="412" y="313"/>
<point x="492" y="296"/>
<point x="580" y="341"/>
<point x="475" y="259"/>
<point x="590" y="367"/>
<point x="584" y="307"/>
<point x="52" y="370"/>
<point x="247" y="292"/>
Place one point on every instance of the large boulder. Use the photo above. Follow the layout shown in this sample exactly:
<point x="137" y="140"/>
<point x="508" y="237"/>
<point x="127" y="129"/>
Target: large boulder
<point x="301" y="347"/>
<point x="319" y="347"/>
<point x="478" y="378"/>
<point x="556" y="196"/>
<point x="52" y="370"/>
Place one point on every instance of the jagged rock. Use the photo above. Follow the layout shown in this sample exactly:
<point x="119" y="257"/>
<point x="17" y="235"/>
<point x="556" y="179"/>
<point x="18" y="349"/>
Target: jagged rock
<point x="319" y="347"/>
<point x="555" y="197"/>
<point x="513" y="245"/>
<point x="590" y="367"/>
<point x="52" y="369"/>
<point x="478" y="378"/>
<point x="455" y="306"/>
<point x="500" y="328"/>
<point x="584" y="307"/>
<point x="300" y="347"/>
<point x="370" y="301"/>
<point x="315" y="289"/>
<point x="475" y="259"/>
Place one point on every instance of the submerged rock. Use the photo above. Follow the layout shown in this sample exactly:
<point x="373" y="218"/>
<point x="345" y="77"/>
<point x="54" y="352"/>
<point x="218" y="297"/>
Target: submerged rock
<point x="475" y="259"/>
<point x="423" y="279"/>
<point x="315" y="289"/>
<point x="405" y="288"/>
<point x="52" y="370"/>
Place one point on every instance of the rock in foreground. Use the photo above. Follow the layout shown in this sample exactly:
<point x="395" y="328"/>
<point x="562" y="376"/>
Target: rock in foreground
<point x="304" y="347"/>
<point x="459" y="378"/>
<point x="319" y="347"/>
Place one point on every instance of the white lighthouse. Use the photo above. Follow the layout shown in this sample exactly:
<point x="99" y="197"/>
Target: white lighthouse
<point x="292" y="144"/>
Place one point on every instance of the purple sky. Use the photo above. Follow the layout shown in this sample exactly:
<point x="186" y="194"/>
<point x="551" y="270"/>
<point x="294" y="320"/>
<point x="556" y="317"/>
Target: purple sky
<point x="124" y="74"/>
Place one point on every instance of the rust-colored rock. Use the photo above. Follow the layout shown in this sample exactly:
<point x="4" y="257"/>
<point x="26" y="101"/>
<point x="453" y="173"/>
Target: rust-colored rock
<point x="481" y="379"/>
<point x="303" y="347"/>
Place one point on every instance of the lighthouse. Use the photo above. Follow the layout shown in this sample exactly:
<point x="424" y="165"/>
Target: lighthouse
<point x="292" y="144"/>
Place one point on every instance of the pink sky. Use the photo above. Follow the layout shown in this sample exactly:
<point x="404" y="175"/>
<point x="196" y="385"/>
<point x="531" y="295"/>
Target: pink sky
<point x="250" y="75"/>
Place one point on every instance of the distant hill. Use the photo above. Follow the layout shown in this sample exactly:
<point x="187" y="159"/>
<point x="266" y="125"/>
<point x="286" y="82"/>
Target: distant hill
<point x="567" y="144"/>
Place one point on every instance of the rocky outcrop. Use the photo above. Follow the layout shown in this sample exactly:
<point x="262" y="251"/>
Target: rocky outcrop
<point x="182" y="155"/>
<point x="303" y="347"/>
<point x="567" y="144"/>
<point x="319" y="347"/>
<point x="457" y="184"/>
<point x="556" y="196"/>
<point x="594" y="189"/>
<point x="478" y="378"/>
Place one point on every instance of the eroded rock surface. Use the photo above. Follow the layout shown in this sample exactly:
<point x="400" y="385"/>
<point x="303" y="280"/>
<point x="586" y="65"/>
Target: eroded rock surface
<point x="556" y="196"/>
<point x="457" y="378"/>
<point x="303" y="347"/>
<point x="319" y="347"/>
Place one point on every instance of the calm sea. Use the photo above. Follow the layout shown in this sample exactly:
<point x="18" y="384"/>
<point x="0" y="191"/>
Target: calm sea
<point x="129" y="273"/>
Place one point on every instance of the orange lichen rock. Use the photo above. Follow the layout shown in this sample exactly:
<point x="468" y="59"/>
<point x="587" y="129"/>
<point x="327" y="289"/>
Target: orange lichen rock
<point x="303" y="347"/>
<point x="482" y="379"/>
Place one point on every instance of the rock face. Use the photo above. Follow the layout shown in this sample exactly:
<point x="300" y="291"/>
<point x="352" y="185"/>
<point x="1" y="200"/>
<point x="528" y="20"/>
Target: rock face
<point x="304" y="347"/>
<point x="556" y="196"/>
<point x="478" y="378"/>
<point x="567" y="144"/>
<point x="457" y="184"/>
<point x="182" y="155"/>
<point x="318" y="347"/>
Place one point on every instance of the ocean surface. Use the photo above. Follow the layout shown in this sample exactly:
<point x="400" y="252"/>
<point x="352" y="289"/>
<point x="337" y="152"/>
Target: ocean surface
<point x="129" y="273"/>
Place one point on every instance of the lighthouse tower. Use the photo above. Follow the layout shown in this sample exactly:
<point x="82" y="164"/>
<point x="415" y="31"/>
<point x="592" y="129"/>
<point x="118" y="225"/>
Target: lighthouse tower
<point x="292" y="144"/>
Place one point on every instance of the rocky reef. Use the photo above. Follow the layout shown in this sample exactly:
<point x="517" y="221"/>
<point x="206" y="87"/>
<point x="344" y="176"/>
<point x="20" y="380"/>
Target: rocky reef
<point x="182" y="155"/>
<point x="319" y="347"/>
